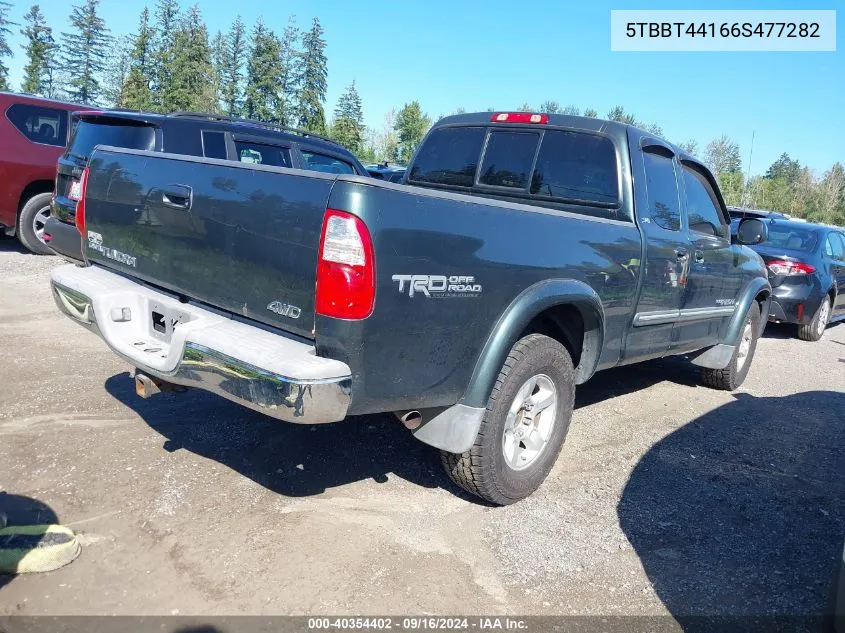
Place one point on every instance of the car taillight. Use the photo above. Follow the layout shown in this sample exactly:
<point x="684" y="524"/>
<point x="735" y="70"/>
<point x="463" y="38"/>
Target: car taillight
<point x="346" y="268"/>
<point x="519" y="117"/>
<point x="785" y="268"/>
<point x="80" y="206"/>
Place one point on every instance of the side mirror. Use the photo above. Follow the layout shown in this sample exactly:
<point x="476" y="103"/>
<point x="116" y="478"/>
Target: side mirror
<point x="752" y="231"/>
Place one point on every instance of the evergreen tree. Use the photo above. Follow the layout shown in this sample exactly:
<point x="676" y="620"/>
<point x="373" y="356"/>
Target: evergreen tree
<point x="572" y="110"/>
<point x="164" y="50"/>
<point x="136" y="90"/>
<point x="85" y="53"/>
<point x="526" y="107"/>
<point x="288" y="64"/>
<point x="40" y="50"/>
<point x="219" y="64"/>
<point x="262" y="76"/>
<point x="116" y="73"/>
<point x="232" y="72"/>
<point x="411" y="125"/>
<point x="591" y="113"/>
<point x="312" y="79"/>
<point x="191" y="71"/>
<point x="348" y="125"/>
<point x="5" y="51"/>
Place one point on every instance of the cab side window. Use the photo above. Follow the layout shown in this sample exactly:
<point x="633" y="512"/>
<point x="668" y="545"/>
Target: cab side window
<point x="328" y="164"/>
<point x="662" y="189"/>
<point x="702" y="205"/>
<point x="259" y="154"/>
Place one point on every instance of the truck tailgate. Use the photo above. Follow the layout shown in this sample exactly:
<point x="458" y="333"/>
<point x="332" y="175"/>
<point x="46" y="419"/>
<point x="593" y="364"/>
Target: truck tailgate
<point x="242" y="238"/>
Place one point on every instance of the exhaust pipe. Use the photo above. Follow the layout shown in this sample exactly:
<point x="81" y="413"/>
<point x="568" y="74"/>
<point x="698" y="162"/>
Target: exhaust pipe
<point x="411" y="419"/>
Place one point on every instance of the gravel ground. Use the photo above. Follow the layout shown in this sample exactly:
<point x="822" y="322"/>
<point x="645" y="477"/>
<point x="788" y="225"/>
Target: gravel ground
<point x="667" y="498"/>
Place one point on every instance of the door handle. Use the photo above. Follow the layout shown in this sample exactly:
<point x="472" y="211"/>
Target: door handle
<point x="177" y="196"/>
<point x="681" y="252"/>
<point x="699" y="257"/>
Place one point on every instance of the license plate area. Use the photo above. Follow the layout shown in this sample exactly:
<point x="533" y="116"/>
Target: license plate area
<point x="164" y="320"/>
<point x="75" y="192"/>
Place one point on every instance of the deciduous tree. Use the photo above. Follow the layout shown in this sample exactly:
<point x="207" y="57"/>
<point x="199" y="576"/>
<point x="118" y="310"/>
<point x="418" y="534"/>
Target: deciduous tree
<point x="722" y="155"/>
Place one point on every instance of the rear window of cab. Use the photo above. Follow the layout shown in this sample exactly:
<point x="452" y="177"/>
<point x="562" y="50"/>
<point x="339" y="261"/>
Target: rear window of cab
<point x="553" y="165"/>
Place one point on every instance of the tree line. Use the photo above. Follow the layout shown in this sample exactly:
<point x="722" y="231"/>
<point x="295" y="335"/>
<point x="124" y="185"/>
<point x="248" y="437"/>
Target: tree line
<point x="172" y="63"/>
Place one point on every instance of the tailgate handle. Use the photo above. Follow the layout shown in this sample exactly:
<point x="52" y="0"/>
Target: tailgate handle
<point x="177" y="196"/>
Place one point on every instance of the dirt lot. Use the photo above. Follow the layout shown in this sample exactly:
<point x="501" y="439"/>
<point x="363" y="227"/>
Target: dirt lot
<point x="667" y="498"/>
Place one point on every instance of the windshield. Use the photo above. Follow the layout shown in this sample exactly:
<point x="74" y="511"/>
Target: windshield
<point x="89" y="134"/>
<point x="792" y="238"/>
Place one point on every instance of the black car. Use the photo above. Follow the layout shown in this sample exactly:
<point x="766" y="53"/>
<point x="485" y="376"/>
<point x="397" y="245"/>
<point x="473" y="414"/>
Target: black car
<point x="740" y="213"/>
<point x="188" y="133"/>
<point x="385" y="172"/>
<point x="806" y="264"/>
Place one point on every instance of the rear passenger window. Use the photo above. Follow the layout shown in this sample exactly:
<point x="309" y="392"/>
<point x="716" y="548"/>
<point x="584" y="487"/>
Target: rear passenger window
<point x="327" y="164"/>
<point x="258" y="154"/>
<point x="835" y="247"/>
<point x="47" y="126"/>
<point x="214" y="144"/>
<point x="449" y="156"/>
<point x="508" y="159"/>
<point x="702" y="205"/>
<point x="662" y="187"/>
<point x="578" y="167"/>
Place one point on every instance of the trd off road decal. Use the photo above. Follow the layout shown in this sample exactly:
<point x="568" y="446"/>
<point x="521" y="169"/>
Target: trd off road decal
<point x="438" y="286"/>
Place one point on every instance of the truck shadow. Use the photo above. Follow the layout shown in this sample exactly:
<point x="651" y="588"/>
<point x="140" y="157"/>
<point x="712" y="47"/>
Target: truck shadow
<point x="742" y="511"/>
<point x="21" y="510"/>
<point x="289" y="459"/>
<point x="620" y="381"/>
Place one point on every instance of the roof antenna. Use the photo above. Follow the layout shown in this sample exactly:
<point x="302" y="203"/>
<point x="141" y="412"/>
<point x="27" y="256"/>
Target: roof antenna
<point x="748" y="170"/>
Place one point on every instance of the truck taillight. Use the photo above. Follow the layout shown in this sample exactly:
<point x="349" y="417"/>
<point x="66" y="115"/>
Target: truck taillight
<point x="346" y="268"/>
<point x="785" y="268"/>
<point x="519" y="117"/>
<point x="80" y="206"/>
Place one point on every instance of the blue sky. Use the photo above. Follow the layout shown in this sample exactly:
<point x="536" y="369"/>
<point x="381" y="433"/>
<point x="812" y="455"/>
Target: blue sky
<point x="499" y="54"/>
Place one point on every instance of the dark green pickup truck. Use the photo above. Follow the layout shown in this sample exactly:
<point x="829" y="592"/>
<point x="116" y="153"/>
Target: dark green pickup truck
<point x="522" y="253"/>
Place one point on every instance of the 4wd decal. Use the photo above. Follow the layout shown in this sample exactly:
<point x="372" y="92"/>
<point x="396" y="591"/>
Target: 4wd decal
<point x="438" y="286"/>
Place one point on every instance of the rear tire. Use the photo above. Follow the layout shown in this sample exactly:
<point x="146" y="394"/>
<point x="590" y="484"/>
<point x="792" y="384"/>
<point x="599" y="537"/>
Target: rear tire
<point x="814" y="330"/>
<point x="732" y="376"/>
<point x="516" y="445"/>
<point x="31" y="223"/>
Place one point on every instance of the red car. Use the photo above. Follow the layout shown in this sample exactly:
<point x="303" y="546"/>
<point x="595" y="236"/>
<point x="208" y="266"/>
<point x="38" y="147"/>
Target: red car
<point x="33" y="134"/>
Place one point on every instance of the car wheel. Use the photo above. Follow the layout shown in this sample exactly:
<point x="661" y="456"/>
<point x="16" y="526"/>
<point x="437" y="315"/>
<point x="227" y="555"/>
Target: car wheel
<point x="813" y="330"/>
<point x="523" y="429"/>
<point x="31" y="223"/>
<point x="732" y="376"/>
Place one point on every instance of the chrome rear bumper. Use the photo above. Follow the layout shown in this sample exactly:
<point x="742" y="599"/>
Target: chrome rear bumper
<point x="279" y="376"/>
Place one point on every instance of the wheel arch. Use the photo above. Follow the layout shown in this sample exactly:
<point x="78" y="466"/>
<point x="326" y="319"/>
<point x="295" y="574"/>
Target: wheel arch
<point x="565" y="309"/>
<point x="759" y="290"/>
<point x="33" y="189"/>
